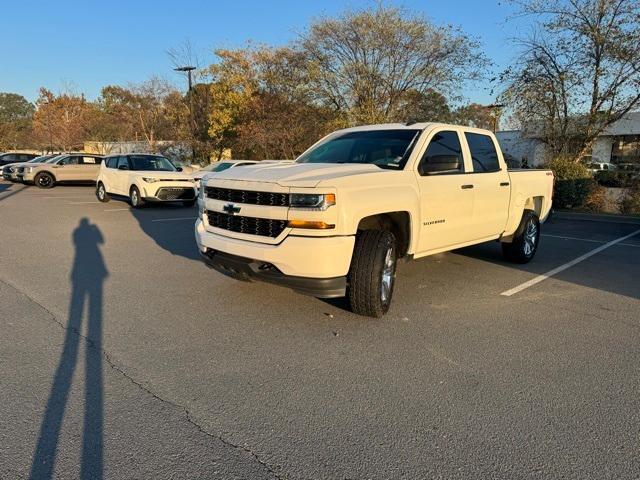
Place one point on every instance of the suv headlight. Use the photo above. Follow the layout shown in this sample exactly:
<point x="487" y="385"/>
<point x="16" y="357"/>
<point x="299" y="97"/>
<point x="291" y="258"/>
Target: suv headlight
<point x="150" y="179"/>
<point x="312" y="201"/>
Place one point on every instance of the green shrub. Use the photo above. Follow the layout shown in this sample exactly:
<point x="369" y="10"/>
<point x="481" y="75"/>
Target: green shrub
<point x="573" y="183"/>
<point x="630" y="203"/>
<point x="613" y="178"/>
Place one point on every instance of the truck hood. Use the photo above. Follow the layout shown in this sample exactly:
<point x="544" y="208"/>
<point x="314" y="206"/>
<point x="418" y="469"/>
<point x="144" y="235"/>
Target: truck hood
<point x="287" y="174"/>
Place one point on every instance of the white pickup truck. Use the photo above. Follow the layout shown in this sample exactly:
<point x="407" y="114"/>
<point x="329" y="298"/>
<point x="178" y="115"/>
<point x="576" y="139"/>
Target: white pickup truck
<point x="334" y="222"/>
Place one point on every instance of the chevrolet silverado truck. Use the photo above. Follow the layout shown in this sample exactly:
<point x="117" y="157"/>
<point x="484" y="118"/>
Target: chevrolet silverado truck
<point x="335" y="222"/>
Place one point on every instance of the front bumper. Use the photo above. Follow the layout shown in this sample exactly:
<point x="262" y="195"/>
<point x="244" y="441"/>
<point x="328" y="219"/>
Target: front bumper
<point x="168" y="192"/>
<point x="248" y="269"/>
<point x="321" y="263"/>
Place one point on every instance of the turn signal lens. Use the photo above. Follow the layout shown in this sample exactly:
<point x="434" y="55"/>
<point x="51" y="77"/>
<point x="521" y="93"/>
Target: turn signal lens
<point x="311" y="225"/>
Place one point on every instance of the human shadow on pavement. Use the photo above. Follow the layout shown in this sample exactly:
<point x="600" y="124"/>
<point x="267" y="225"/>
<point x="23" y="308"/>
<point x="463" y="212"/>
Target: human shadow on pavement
<point x="87" y="278"/>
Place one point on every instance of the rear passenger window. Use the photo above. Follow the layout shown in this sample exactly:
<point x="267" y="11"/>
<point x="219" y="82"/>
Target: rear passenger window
<point x="483" y="153"/>
<point x="111" y="162"/>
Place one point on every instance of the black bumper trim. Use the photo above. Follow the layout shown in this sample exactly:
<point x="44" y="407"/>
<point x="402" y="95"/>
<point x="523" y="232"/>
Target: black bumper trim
<point x="247" y="269"/>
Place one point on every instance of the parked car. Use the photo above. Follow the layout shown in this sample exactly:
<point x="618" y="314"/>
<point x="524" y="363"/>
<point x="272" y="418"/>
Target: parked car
<point x="601" y="166"/>
<point x="219" y="167"/>
<point x="144" y="178"/>
<point x="7" y="158"/>
<point x="10" y="171"/>
<point x="74" y="167"/>
<point x="335" y="222"/>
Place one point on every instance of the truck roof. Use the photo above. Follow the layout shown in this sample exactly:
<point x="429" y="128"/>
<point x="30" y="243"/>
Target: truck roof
<point x="403" y="126"/>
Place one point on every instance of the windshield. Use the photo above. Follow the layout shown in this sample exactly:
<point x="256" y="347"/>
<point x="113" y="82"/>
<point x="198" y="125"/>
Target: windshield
<point x="384" y="148"/>
<point x="151" y="163"/>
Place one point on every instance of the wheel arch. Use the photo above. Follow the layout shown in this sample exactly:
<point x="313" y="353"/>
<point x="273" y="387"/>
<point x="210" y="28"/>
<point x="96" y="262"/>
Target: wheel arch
<point x="397" y="222"/>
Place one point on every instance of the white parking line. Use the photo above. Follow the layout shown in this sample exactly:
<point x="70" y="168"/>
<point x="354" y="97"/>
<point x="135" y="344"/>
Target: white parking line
<point x="83" y="203"/>
<point x="117" y="209"/>
<point x="587" y="240"/>
<point x="561" y="268"/>
<point x="173" y="219"/>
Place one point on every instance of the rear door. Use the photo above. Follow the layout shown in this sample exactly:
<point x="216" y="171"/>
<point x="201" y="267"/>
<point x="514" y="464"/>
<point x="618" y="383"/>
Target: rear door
<point x="89" y="167"/>
<point x="490" y="182"/>
<point x="446" y="204"/>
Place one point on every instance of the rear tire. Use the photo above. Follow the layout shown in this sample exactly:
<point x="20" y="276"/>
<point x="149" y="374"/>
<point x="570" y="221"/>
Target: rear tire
<point x="134" y="198"/>
<point x="101" y="193"/>
<point x="44" y="180"/>
<point x="525" y="241"/>
<point x="372" y="273"/>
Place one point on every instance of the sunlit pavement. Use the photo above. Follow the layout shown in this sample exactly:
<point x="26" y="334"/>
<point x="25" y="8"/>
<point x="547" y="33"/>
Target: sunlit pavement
<point x="123" y="356"/>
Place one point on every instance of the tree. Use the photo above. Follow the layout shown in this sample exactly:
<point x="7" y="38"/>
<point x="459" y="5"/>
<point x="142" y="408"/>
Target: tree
<point x="61" y="121"/>
<point x="476" y="115"/>
<point x="578" y="73"/>
<point x="365" y="62"/>
<point x="263" y="104"/>
<point x="141" y="110"/>
<point x="16" y="113"/>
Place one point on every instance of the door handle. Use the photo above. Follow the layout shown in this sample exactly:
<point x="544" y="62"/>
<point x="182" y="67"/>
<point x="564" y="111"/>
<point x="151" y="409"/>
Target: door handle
<point x="464" y="187"/>
<point x="504" y="184"/>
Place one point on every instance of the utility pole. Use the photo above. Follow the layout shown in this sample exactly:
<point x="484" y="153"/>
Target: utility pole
<point x="190" y="69"/>
<point x="495" y="108"/>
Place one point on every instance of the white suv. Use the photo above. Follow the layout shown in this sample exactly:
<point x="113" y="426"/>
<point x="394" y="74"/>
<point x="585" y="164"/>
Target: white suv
<point x="144" y="178"/>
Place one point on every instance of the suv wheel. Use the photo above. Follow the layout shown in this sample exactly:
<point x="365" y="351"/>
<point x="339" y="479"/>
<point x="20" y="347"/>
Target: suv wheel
<point x="373" y="272"/>
<point x="44" y="180"/>
<point x="135" y="198"/>
<point x="101" y="193"/>
<point x="525" y="241"/>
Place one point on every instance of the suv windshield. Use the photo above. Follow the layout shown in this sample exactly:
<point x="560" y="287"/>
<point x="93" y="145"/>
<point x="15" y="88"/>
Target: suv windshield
<point x="151" y="163"/>
<point x="384" y="148"/>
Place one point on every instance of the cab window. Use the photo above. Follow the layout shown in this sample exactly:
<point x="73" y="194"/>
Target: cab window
<point x="443" y="155"/>
<point x="483" y="153"/>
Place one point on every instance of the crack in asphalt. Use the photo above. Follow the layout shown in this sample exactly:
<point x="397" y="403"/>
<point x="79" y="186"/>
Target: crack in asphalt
<point x="91" y="344"/>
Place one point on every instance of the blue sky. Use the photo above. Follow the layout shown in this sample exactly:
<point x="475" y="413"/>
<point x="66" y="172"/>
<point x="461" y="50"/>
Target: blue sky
<point x="87" y="44"/>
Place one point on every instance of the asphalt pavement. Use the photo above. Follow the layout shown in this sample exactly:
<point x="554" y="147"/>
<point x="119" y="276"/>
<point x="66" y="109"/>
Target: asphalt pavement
<point x="122" y="356"/>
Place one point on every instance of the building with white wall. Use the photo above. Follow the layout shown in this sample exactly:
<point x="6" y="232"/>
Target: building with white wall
<point x="619" y="144"/>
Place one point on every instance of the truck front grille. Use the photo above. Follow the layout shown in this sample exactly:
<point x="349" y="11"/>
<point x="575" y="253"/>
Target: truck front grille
<point x="271" y="199"/>
<point x="265" y="227"/>
<point x="171" y="193"/>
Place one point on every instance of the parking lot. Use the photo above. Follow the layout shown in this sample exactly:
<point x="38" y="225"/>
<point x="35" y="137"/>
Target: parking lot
<point x="123" y="356"/>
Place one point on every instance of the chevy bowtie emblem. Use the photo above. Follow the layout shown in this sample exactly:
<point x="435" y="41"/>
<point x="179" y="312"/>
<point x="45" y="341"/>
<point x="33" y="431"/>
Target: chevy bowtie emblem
<point x="231" y="209"/>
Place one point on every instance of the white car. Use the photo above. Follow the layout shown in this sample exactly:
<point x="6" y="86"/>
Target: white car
<point x="219" y="167"/>
<point x="144" y="178"/>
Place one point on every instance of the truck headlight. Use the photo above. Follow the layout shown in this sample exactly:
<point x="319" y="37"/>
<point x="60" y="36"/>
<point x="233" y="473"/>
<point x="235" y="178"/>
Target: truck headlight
<point x="312" y="201"/>
<point x="150" y="179"/>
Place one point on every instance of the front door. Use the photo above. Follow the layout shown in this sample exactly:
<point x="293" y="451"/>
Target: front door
<point x="446" y="204"/>
<point x="68" y="169"/>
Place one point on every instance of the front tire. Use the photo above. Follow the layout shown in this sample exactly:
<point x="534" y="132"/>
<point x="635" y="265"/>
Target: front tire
<point x="134" y="198"/>
<point x="372" y="273"/>
<point x="44" y="180"/>
<point x="525" y="241"/>
<point x="101" y="193"/>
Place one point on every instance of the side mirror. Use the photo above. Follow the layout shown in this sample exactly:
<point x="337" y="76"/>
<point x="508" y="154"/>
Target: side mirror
<point x="123" y="167"/>
<point x="440" y="164"/>
<point x="179" y="169"/>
